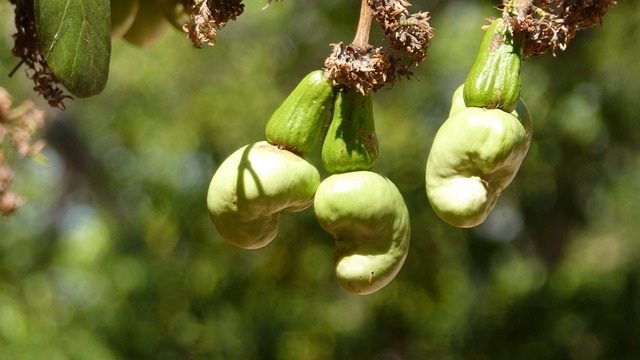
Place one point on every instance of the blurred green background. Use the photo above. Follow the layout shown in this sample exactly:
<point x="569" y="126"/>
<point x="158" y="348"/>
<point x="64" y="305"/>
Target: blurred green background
<point x="113" y="255"/>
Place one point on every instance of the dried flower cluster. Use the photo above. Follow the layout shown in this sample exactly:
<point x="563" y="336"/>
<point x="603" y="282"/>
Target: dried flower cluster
<point x="209" y="16"/>
<point x="551" y="24"/>
<point x="17" y="125"/>
<point x="362" y="69"/>
<point x="408" y="33"/>
<point x="368" y="68"/>
<point x="27" y="48"/>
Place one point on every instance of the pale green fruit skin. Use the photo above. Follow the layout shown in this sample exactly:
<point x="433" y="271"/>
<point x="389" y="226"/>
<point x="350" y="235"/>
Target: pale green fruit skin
<point x="176" y="12"/>
<point x="521" y="111"/>
<point x="298" y="122"/>
<point x="475" y="155"/>
<point x="367" y="216"/>
<point x="123" y="13"/>
<point x="457" y="100"/>
<point x="252" y="187"/>
<point x="149" y="26"/>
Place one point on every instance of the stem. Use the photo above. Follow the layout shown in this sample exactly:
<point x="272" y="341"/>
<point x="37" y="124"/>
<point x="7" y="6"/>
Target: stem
<point x="522" y="6"/>
<point x="361" y="40"/>
<point x="16" y="68"/>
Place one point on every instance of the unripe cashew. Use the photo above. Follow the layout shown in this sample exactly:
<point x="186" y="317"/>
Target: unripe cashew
<point x="298" y="123"/>
<point x="351" y="143"/>
<point x="457" y="100"/>
<point x="253" y="186"/>
<point x="149" y="26"/>
<point x="176" y="12"/>
<point x="123" y="13"/>
<point x="475" y="155"/>
<point x="521" y="111"/>
<point x="494" y="79"/>
<point x="369" y="220"/>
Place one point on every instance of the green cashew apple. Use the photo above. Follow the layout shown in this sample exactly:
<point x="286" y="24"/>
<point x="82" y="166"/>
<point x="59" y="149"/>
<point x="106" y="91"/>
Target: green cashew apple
<point x="253" y="186"/>
<point x="475" y="155"/>
<point x="457" y="100"/>
<point x="494" y="79"/>
<point x="351" y="143"/>
<point x="123" y="13"/>
<point x="149" y="25"/>
<point x="369" y="220"/>
<point x="176" y="12"/>
<point x="298" y="123"/>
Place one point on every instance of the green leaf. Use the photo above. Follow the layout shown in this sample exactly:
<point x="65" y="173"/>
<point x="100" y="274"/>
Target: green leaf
<point x="76" y="42"/>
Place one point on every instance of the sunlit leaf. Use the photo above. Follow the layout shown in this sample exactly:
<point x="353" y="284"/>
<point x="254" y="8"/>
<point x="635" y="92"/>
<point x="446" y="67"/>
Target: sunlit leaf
<point x="75" y="41"/>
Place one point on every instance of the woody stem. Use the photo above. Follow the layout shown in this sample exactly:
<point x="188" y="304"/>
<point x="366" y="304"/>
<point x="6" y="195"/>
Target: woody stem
<point x="361" y="40"/>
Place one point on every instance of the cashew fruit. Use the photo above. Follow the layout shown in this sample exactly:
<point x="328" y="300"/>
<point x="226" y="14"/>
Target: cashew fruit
<point x="475" y="155"/>
<point x="351" y="143"/>
<point x="494" y="79"/>
<point x="369" y="220"/>
<point x="149" y="25"/>
<point x="176" y="12"/>
<point x="123" y="13"/>
<point x="253" y="186"/>
<point x="521" y="111"/>
<point x="457" y="100"/>
<point x="298" y="122"/>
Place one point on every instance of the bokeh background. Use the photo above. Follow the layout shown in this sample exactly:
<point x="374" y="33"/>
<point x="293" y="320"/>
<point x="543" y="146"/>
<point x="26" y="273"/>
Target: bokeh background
<point x="113" y="255"/>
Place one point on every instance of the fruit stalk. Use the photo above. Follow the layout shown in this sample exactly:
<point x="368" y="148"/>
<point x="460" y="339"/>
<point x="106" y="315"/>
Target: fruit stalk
<point x="361" y="40"/>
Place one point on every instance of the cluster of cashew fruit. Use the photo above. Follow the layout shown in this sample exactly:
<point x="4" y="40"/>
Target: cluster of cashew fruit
<point x="144" y="22"/>
<point x="478" y="150"/>
<point x="364" y="211"/>
<point x="475" y="155"/>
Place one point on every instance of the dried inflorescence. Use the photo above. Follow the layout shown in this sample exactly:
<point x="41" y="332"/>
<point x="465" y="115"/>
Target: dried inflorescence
<point x="413" y="37"/>
<point x="408" y="33"/>
<point x="361" y="69"/>
<point x="368" y="68"/>
<point x="388" y="12"/>
<point x="583" y="14"/>
<point x="209" y="16"/>
<point x="27" y="48"/>
<point x="17" y="125"/>
<point x="551" y="24"/>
